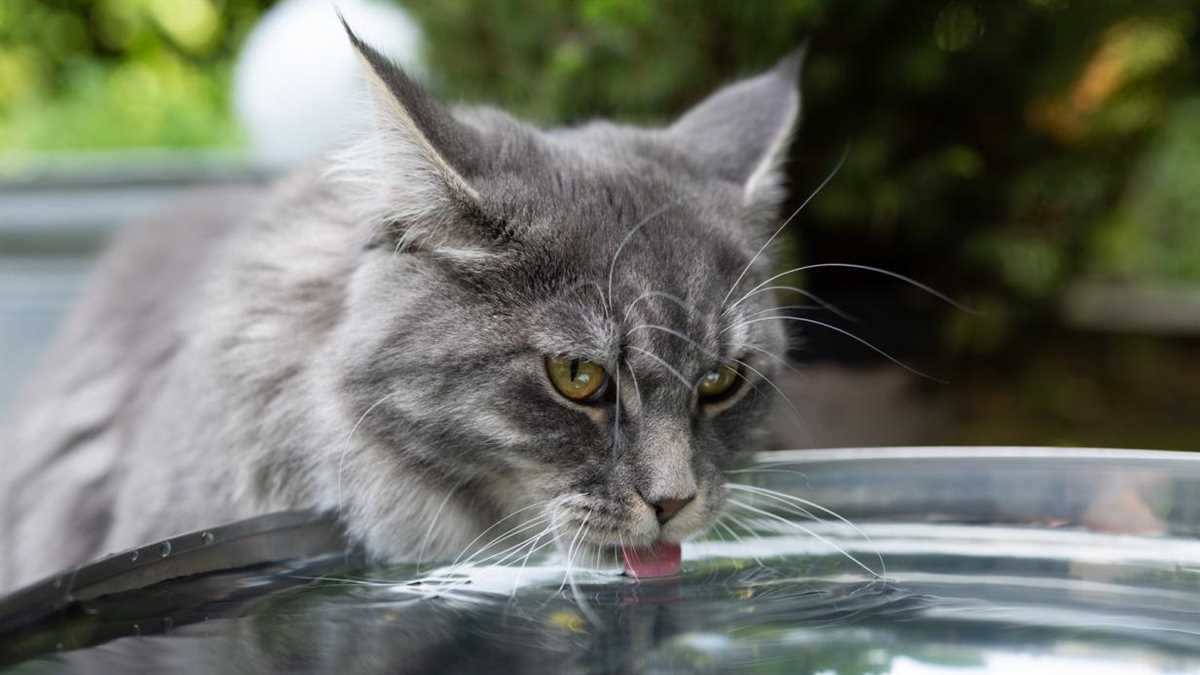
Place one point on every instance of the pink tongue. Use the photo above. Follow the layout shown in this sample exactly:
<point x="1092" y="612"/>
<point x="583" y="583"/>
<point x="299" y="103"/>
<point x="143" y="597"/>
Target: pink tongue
<point x="657" y="560"/>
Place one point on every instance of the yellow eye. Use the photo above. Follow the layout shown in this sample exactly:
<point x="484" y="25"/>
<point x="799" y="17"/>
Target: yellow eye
<point x="576" y="379"/>
<point x="717" y="384"/>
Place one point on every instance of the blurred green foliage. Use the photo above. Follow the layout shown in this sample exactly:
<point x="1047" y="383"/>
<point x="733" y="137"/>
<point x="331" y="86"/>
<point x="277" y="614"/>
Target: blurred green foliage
<point x="92" y="74"/>
<point x="998" y="150"/>
<point x="1001" y="149"/>
<point x="1006" y="147"/>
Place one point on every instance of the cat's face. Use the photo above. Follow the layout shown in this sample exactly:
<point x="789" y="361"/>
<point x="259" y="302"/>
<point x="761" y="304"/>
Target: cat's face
<point x="554" y="327"/>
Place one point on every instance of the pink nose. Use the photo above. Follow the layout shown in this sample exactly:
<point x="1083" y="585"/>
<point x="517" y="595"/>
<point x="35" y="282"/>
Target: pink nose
<point x="667" y="508"/>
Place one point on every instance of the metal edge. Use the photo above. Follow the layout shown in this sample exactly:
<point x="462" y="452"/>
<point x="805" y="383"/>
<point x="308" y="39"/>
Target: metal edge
<point x="148" y="564"/>
<point x="970" y="453"/>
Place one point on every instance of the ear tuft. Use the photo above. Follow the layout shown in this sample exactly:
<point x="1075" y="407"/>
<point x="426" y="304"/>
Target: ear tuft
<point x="743" y="131"/>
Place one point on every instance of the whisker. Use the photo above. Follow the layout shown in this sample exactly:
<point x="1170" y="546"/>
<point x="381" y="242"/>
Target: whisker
<point x="670" y="331"/>
<point x="792" y="507"/>
<point x="767" y="470"/>
<point x="656" y="294"/>
<point x="736" y="536"/>
<point x="532" y="549"/>
<point x="571" y="551"/>
<point x="596" y="557"/>
<point x="779" y="359"/>
<point x="687" y="385"/>
<point x="837" y="167"/>
<point x="787" y="399"/>
<point x="497" y="558"/>
<point x="714" y="532"/>
<point x="868" y="268"/>
<point x="580" y="601"/>
<point x="811" y="296"/>
<point x="637" y="389"/>
<point x="787" y="498"/>
<point x="613" y="264"/>
<point x="617" y="413"/>
<point x="589" y="284"/>
<point x="493" y="526"/>
<point x="433" y="522"/>
<point x="848" y="334"/>
<point x="449" y="579"/>
<point x="740" y="522"/>
<point x="805" y="427"/>
<point x="807" y="531"/>
<point x="778" y="308"/>
<point x="346" y="445"/>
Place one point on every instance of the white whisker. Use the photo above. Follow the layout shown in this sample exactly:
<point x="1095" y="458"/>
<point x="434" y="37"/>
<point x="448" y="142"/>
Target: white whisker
<point x="636" y="388"/>
<point x="811" y="296"/>
<point x="749" y="530"/>
<point x="777" y="308"/>
<point x="848" y="334"/>
<point x="492" y="527"/>
<point x="499" y="557"/>
<point x="787" y="399"/>
<point x="768" y="470"/>
<point x="433" y="522"/>
<point x="581" y="601"/>
<point x="571" y="551"/>
<point x="613" y="264"/>
<point x="687" y="385"/>
<point x="656" y="294"/>
<point x="836" y="168"/>
<point x="346" y="445"/>
<point x="800" y="417"/>
<point x="777" y="358"/>
<point x="533" y="548"/>
<point x="787" y="498"/>
<point x="868" y="268"/>
<point x="807" y="531"/>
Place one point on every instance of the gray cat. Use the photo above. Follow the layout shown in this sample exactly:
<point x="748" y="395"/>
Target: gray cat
<point x="462" y="319"/>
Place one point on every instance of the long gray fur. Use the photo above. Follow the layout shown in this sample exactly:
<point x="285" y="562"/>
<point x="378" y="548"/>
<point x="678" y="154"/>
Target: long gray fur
<point x="369" y="338"/>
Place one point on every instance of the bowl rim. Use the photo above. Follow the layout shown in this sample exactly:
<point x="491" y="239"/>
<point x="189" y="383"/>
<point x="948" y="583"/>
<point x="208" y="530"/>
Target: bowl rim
<point x="971" y="452"/>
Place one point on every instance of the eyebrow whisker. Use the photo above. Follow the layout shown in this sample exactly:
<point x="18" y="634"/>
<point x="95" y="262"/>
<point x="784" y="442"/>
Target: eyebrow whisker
<point x="687" y="385"/>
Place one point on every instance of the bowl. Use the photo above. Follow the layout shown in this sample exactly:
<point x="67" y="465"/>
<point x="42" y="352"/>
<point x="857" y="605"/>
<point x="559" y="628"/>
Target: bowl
<point x="880" y="560"/>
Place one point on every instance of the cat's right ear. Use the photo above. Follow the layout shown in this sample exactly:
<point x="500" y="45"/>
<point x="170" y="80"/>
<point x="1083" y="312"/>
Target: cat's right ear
<point x="742" y="132"/>
<point x="414" y="170"/>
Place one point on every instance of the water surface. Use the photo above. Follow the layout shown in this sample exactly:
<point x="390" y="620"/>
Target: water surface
<point x="958" y="561"/>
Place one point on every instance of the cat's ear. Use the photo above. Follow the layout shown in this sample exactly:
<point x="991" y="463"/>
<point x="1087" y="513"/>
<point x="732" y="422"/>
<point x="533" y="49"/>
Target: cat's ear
<point x="414" y="170"/>
<point x="742" y="132"/>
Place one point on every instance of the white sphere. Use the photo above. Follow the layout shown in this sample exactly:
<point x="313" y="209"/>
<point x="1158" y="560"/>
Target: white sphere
<point x="298" y="88"/>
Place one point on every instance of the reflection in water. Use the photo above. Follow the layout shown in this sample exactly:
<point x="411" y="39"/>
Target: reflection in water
<point x="707" y="621"/>
<point x="801" y="612"/>
<point x="995" y="565"/>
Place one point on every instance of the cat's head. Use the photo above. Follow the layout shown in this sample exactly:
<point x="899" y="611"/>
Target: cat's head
<point x="558" y="327"/>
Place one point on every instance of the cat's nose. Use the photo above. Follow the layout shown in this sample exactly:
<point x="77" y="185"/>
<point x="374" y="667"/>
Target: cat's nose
<point x="666" y="509"/>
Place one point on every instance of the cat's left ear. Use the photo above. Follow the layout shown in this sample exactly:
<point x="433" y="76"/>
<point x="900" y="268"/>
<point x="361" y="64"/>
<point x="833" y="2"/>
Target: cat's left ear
<point x="742" y="132"/>
<point x="415" y="171"/>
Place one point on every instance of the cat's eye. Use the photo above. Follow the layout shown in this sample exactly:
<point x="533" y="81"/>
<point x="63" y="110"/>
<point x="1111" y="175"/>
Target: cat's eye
<point x="579" y="380"/>
<point x="718" y="384"/>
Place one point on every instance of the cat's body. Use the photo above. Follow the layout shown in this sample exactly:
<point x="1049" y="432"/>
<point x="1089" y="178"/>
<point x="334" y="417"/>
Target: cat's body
<point x="371" y="338"/>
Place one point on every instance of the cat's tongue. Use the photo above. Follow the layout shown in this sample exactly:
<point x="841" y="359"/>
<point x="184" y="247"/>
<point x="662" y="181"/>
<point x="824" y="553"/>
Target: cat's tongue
<point x="661" y="559"/>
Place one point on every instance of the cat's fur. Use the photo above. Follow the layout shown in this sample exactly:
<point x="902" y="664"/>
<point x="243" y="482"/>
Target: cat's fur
<point x="369" y="338"/>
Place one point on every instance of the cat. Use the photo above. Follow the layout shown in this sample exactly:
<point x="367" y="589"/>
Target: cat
<point x="461" y="320"/>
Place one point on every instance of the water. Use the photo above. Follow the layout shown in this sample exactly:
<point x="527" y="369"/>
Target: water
<point x="958" y="561"/>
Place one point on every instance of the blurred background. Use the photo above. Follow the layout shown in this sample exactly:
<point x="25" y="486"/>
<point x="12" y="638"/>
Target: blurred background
<point x="1038" y="160"/>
